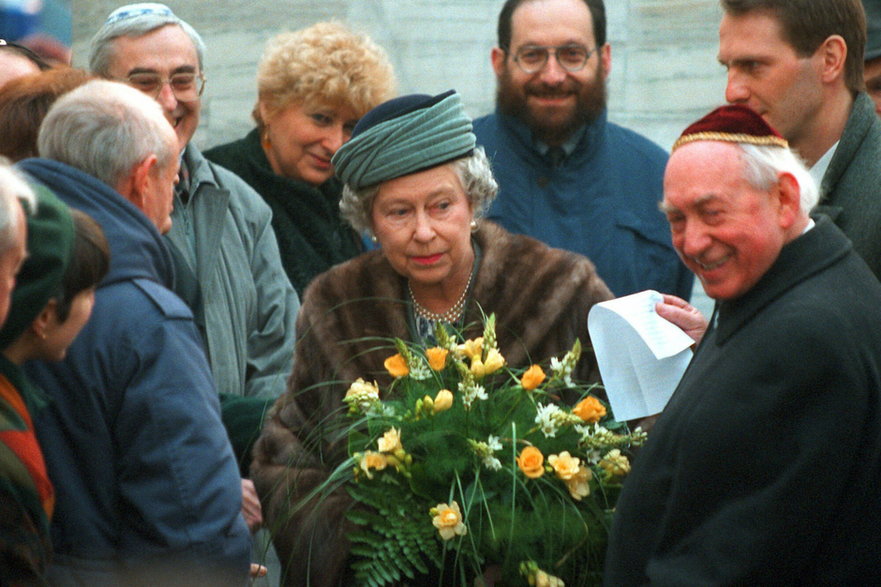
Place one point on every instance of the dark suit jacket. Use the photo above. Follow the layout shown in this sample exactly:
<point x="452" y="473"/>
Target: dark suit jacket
<point x="765" y="467"/>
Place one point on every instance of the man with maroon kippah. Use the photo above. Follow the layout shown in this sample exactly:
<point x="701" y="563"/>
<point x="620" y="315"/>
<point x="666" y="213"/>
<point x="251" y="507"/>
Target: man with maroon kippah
<point x="764" y="467"/>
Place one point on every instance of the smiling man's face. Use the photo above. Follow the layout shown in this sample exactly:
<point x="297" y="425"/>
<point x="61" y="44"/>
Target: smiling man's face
<point x="165" y="51"/>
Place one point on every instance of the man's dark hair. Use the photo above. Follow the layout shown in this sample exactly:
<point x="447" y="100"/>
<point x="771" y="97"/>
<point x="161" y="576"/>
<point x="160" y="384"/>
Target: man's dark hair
<point x="597" y="14"/>
<point x="806" y="24"/>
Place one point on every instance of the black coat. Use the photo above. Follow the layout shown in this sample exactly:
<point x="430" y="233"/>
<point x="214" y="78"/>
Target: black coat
<point x="765" y="467"/>
<point x="306" y="220"/>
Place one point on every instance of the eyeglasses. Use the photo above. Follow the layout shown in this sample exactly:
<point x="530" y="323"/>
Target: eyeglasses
<point x="572" y="57"/>
<point x="186" y="87"/>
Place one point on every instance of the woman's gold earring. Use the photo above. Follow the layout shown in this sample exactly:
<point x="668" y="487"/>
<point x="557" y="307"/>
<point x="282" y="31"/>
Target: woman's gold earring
<point x="266" y="142"/>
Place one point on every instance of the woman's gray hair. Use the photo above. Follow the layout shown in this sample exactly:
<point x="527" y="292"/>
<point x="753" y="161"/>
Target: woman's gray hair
<point x="105" y="128"/>
<point x="14" y="192"/>
<point x="763" y="164"/>
<point x="102" y="49"/>
<point x="475" y="175"/>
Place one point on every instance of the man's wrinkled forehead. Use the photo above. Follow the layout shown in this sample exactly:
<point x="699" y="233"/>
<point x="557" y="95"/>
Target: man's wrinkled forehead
<point x="151" y="52"/>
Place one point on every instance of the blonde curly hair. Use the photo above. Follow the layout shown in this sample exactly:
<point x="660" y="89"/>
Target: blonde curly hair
<point x="324" y="64"/>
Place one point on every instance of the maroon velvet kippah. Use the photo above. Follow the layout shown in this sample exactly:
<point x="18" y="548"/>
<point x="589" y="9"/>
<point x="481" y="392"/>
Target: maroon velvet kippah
<point x="733" y="124"/>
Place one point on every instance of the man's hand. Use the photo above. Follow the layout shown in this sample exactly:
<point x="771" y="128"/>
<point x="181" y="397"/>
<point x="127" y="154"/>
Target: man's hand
<point x="251" y="510"/>
<point x="684" y="315"/>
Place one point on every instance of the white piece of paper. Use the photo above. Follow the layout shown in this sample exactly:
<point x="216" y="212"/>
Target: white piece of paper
<point x="641" y="356"/>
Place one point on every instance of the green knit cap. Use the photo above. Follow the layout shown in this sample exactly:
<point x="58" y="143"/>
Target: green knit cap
<point x="50" y="243"/>
<point x="405" y="135"/>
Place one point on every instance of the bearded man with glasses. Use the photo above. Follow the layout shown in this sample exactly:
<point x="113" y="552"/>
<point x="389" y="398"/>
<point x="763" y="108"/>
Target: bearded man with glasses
<point x="567" y="176"/>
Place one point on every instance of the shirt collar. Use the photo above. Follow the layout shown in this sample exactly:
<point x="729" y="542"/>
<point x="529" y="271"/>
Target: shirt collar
<point x="819" y="168"/>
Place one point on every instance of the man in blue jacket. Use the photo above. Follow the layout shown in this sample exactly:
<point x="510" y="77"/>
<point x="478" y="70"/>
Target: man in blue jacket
<point x="147" y="486"/>
<point x="567" y="176"/>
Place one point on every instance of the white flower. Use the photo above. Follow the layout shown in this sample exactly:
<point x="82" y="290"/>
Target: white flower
<point x="471" y="391"/>
<point x="562" y="369"/>
<point x="419" y="369"/>
<point x="549" y="417"/>
<point x="485" y="450"/>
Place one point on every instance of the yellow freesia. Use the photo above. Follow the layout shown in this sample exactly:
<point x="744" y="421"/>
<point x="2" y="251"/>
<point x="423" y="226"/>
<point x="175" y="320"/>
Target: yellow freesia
<point x="615" y="464"/>
<point x="543" y="579"/>
<point x="437" y="358"/>
<point x="590" y="410"/>
<point x="532" y="378"/>
<point x="477" y="368"/>
<point x="565" y="465"/>
<point x="390" y="441"/>
<point x="531" y="462"/>
<point x="579" y="484"/>
<point x="448" y="520"/>
<point x="396" y="365"/>
<point x="363" y="388"/>
<point x="443" y="401"/>
<point x="373" y="460"/>
<point x="493" y="362"/>
<point x="472" y="348"/>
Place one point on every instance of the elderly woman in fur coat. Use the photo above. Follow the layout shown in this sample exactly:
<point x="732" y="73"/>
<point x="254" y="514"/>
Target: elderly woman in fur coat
<point x="415" y="180"/>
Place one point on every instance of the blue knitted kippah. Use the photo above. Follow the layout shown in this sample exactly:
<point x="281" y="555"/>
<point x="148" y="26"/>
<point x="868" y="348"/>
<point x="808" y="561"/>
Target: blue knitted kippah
<point x="136" y="10"/>
<point x="405" y="135"/>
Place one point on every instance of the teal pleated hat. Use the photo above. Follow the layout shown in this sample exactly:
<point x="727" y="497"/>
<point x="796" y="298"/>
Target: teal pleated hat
<point x="405" y="135"/>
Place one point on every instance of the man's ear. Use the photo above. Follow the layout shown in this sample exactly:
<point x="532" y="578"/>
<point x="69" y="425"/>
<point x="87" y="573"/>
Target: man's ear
<point x="833" y="52"/>
<point x="605" y="55"/>
<point x="789" y="197"/>
<point x="498" y="57"/>
<point x="140" y="180"/>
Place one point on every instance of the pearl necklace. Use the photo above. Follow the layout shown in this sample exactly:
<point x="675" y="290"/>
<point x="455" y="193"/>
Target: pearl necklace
<point x="451" y="315"/>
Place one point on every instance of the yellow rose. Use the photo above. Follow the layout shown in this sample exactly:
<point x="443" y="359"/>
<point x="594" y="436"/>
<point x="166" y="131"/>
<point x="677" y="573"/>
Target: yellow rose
<point x="390" y="441"/>
<point x="396" y="365"/>
<point x="565" y="465"/>
<point x="472" y="348"/>
<point x="579" y="484"/>
<point x="373" y="460"/>
<point x="590" y="410"/>
<point x="437" y="358"/>
<point x="448" y="520"/>
<point x="443" y="401"/>
<point x="531" y="462"/>
<point x="532" y="378"/>
<point x="493" y="362"/>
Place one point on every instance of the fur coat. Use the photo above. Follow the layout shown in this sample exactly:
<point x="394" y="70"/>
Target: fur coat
<point x="541" y="297"/>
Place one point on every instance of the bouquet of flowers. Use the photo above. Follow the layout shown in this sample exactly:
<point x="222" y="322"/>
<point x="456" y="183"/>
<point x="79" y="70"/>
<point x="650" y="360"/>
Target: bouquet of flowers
<point x="466" y="467"/>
